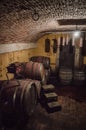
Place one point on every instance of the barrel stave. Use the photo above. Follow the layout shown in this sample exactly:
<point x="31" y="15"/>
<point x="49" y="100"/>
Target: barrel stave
<point x="65" y="76"/>
<point x="42" y="59"/>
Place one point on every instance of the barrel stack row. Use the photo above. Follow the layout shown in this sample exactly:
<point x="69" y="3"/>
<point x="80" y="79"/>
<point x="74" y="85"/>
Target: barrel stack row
<point x="38" y="68"/>
<point x="68" y="76"/>
<point x="19" y="96"/>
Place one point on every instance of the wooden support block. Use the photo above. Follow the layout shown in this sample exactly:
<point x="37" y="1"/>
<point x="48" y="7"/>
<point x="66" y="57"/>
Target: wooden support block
<point x="48" y="97"/>
<point x="53" y="107"/>
<point x="48" y="88"/>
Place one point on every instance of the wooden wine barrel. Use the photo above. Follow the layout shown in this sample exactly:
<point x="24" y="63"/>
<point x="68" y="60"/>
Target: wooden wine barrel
<point x="79" y="77"/>
<point x="65" y="75"/>
<point x="17" y="99"/>
<point x="32" y="70"/>
<point x="35" y="70"/>
<point x="41" y="59"/>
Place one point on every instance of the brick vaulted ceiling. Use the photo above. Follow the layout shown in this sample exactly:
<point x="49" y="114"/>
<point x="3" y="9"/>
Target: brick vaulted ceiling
<point x="24" y="21"/>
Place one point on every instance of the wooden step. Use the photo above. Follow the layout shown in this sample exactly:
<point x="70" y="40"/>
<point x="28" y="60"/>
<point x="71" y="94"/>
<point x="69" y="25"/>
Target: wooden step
<point x="53" y="107"/>
<point x="48" y="88"/>
<point x="48" y="97"/>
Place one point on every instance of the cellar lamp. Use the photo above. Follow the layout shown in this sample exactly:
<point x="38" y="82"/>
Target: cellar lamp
<point x="35" y="16"/>
<point x="76" y="33"/>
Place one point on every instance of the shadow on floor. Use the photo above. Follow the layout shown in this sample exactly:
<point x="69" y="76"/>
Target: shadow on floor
<point x="77" y="92"/>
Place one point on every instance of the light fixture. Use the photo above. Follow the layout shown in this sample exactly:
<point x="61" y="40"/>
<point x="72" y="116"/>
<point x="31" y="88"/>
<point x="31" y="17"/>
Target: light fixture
<point x="77" y="32"/>
<point x="35" y="16"/>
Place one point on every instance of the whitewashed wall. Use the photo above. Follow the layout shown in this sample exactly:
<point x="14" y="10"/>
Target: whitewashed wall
<point x="16" y="47"/>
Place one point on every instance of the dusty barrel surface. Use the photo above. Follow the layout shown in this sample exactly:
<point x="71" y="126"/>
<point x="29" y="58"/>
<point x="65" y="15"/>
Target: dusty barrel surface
<point x="65" y="75"/>
<point x="41" y="59"/>
<point x="33" y="70"/>
<point x="17" y="99"/>
<point x="79" y="77"/>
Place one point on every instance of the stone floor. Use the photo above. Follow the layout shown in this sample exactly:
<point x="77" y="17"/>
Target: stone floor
<point x="71" y="117"/>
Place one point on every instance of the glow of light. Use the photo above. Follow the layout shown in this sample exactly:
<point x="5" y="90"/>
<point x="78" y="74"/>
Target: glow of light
<point x="76" y="33"/>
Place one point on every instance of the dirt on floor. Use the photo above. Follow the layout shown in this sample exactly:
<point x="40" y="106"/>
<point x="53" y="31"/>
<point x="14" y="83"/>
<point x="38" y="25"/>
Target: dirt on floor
<point x="71" y="117"/>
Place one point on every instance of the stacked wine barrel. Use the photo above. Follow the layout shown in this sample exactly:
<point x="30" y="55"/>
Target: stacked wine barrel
<point x="31" y="70"/>
<point x="19" y="96"/>
<point x="18" y="99"/>
<point x="46" y="63"/>
<point x="41" y="59"/>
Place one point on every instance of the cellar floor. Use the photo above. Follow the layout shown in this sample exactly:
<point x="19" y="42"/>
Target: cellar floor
<point x="71" y="117"/>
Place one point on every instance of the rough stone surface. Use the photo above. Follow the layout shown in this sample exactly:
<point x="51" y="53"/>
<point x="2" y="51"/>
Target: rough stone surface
<point x="18" y="25"/>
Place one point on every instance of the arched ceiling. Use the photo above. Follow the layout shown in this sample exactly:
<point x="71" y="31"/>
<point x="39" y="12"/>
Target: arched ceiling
<point x="18" y="23"/>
